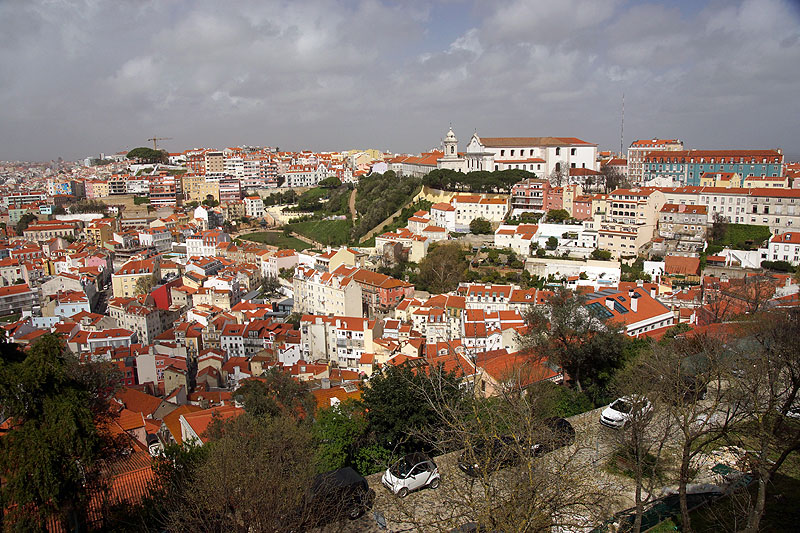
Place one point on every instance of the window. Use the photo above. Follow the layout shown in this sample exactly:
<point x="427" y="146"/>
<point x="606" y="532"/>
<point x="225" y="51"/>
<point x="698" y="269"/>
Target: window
<point x="558" y="151"/>
<point x="573" y="151"/>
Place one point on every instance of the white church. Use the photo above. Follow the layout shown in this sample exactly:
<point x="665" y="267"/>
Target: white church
<point x="540" y="155"/>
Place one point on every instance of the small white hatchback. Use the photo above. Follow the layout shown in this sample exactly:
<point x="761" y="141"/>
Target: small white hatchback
<point x="623" y="410"/>
<point x="412" y="472"/>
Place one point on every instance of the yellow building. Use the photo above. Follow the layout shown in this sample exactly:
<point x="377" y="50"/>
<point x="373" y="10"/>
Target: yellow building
<point x="771" y="182"/>
<point x="100" y="231"/>
<point x="123" y="281"/>
<point x="100" y="189"/>
<point x="197" y="188"/>
<point x="721" y="179"/>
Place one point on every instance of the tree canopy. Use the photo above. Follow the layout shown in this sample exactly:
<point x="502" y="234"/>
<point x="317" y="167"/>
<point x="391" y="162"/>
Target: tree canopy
<point x="276" y="393"/>
<point x="400" y="404"/>
<point x="575" y="338"/>
<point x="56" y="408"/>
<point x="147" y="155"/>
<point x="442" y="269"/>
<point x="24" y="222"/>
<point x="480" y="226"/>
<point x="482" y="181"/>
<point x="558" y="216"/>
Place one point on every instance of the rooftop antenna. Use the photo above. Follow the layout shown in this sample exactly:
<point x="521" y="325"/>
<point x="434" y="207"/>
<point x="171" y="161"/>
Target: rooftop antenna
<point x="622" y="127"/>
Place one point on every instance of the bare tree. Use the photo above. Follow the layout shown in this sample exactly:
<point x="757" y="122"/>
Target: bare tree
<point x="505" y="481"/>
<point x="643" y="441"/>
<point x="613" y="179"/>
<point x="768" y="383"/>
<point x="254" y="479"/>
<point x="689" y="378"/>
<point x="560" y="174"/>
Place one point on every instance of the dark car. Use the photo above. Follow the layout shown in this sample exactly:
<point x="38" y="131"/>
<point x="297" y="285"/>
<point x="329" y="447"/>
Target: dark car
<point x="337" y="495"/>
<point x="559" y="433"/>
<point x="488" y="455"/>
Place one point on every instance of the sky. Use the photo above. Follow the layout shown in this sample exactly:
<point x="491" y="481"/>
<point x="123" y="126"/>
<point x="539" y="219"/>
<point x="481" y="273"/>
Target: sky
<point x="81" y="77"/>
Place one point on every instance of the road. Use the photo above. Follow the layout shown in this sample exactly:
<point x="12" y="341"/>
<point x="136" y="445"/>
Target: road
<point x="352" y="205"/>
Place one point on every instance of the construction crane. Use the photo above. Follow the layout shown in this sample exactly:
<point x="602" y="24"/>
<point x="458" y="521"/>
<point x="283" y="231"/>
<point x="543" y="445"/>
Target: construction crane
<point x="155" y="139"/>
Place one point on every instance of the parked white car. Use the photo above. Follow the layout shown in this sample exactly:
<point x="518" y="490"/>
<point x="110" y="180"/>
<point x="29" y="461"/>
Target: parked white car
<point x="412" y="472"/>
<point x="622" y="410"/>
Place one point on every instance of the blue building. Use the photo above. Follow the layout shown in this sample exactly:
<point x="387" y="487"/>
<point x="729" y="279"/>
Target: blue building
<point x="685" y="167"/>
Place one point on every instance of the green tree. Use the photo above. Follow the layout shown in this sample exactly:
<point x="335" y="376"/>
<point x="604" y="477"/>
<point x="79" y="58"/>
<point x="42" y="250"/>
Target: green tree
<point x="56" y="408"/>
<point x="601" y="255"/>
<point x="337" y="431"/>
<point x="576" y="338"/>
<point x="480" y="226"/>
<point x="400" y="404"/>
<point x="276" y="393"/>
<point x="558" y="216"/>
<point x="331" y="182"/>
<point x="24" y="222"/>
<point x="148" y="155"/>
<point x="551" y="244"/>
<point x="443" y="268"/>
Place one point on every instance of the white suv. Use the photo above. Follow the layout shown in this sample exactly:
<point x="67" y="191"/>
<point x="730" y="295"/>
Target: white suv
<point x="622" y="410"/>
<point x="412" y="472"/>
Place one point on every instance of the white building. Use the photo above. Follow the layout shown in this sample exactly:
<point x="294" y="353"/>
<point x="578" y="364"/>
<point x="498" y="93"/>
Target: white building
<point x="158" y="239"/>
<point x="205" y="243"/>
<point x="785" y="247"/>
<point x="539" y="155"/>
<point x="304" y="175"/>
<point x="326" y="293"/>
<point x="464" y="208"/>
<point x="254" y="207"/>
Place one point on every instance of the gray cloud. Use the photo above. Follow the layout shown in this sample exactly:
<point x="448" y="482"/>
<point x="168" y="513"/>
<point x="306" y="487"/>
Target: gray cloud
<point x="80" y="77"/>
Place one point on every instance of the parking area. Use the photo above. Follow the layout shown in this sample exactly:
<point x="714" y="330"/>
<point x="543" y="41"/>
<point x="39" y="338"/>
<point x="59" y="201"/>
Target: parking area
<point x="448" y="506"/>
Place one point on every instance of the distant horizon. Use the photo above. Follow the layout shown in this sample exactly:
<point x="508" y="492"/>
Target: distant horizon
<point x="788" y="158"/>
<point x="101" y="76"/>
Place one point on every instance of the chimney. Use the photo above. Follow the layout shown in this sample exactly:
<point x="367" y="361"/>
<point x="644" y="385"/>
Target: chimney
<point x="630" y="293"/>
<point x="610" y="303"/>
<point x="653" y="292"/>
<point x="326" y="383"/>
<point x="635" y="303"/>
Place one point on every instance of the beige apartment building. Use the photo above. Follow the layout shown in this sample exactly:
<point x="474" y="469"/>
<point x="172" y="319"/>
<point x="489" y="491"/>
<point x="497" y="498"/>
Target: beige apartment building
<point x="323" y="293"/>
<point x="630" y="222"/>
<point x="197" y="188"/>
<point x="123" y="281"/>
<point x="215" y="162"/>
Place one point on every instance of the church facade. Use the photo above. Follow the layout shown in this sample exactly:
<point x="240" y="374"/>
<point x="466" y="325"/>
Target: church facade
<point x="542" y="156"/>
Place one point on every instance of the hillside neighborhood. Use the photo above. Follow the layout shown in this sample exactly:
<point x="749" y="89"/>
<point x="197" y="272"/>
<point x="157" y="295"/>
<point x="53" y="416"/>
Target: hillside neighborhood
<point x="213" y="281"/>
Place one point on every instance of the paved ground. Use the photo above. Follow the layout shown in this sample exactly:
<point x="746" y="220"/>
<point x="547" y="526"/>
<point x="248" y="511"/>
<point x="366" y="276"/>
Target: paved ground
<point x="443" y="508"/>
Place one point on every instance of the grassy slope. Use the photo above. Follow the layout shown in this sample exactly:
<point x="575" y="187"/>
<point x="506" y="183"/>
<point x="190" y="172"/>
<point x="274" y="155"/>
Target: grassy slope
<point x="738" y="234"/>
<point x="275" y="238"/>
<point x="332" y="232"/>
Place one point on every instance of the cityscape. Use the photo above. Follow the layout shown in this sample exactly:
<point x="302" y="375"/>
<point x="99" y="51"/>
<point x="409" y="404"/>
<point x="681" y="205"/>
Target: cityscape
<point x="319" y="327"/>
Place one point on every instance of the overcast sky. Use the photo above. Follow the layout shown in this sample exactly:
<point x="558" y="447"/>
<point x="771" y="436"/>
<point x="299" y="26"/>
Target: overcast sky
<point x="82" y="77"/>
